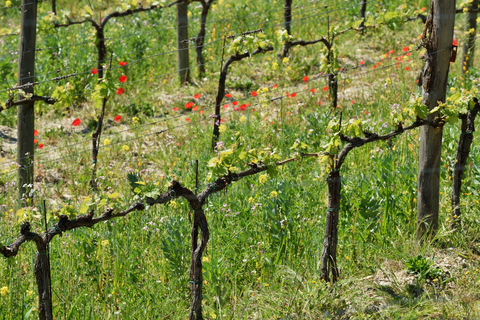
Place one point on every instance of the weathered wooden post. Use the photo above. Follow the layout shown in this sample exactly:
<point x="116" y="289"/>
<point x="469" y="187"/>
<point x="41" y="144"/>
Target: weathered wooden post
<point x="437" y="39"/>
<point x="182" y="43"/>
<point x="25" y="112"/>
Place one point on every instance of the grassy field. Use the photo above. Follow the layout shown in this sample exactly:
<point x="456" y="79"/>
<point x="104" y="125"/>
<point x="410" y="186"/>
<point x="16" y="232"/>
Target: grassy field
<point x="266" y="232"/>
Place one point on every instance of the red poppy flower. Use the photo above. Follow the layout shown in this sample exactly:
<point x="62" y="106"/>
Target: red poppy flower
<point x="35" y="141"/>
<point x="305" y="79"/>
<point x="312" y="90"/>
<point x="325" y="88"/>
<point x="293" y="95"/>
<point x="188" y="119"/>
<point x="254" y="93"/>
<point x="118" y="118"/>
<point x="120" y="91"/>
<point x="198" y="95"/>
<point x="362" y="62"/>
<point x="189" y="105"/>
<point x="353" y="101"/>
<point x="201" y="111"/>
<point x="243" y="107"/>
<point x="374" y="66"/>
<point x="391" y="51"/>
<point x="76" y="122"/>
<point x="254" y="109"/>
<point x="455" y="43"/>
<point x="94" y="71"/>
<point x="235" y="103"/>
<point x="407" y="68"/>
<point x="424" y="8"/>
<point x="274" y="86"/>
<point x="405" y="49"/>
<point x="35" y="132"/>
<point x="408" y="54"/>
<point x="195" y="108"/>
<point x="236" y="109"/>
<point x="123" y="78"/>
<point x="122" y="63"/>
<point x="228" y="95"/>
<point x="223" y="120"/>
<point x="366" y="112"/>
<point x="40" y="146"/>
<point x="225" y="106"/>
<point x="175" y="109"/>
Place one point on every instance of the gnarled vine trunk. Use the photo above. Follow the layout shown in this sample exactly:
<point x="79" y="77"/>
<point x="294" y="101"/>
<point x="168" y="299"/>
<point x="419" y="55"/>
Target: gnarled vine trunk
<point x="463" y="150"/>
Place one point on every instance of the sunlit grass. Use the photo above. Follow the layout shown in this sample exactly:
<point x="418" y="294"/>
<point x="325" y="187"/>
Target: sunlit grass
<point x="262" y="260"/>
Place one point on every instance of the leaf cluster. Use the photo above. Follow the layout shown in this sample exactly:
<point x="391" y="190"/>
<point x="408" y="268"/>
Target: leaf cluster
<point x="248" y="43"/>
<point x="460" y="102"/>
<point x="229" y="161"/>
<point x="143" y="188"/>
<point x="423" y="268"/>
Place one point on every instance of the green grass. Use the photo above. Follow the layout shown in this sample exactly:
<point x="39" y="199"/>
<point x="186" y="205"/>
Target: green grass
<point x="262" y="260"/>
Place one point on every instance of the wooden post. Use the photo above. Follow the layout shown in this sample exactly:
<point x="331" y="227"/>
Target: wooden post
<point x="469" y="45"/>
<point x="437" y="39"/>
<point x="54" y="7"/>
<point x="25" y="112"/>
<point x="182" y="43"/>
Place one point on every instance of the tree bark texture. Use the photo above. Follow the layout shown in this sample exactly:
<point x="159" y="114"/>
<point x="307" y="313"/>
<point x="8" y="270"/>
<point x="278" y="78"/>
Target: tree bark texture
<point x="182" y="43"/>
<point x="25" y="112"/>
<point x="41" y="268"/>
<point x="329" y="252"/>
<point x="221" y="88"/>
<point x="437" y="39"/>
<point x="198" y="247"/>
<point x="463" y="150"/>
<point x="363" y="11"/>
<point x="200" y="39"/>
<point x="469" y="45"/>
<point x="328" y="259"/>
<point x="101" y="50"/>
<point x="287" y="16"/>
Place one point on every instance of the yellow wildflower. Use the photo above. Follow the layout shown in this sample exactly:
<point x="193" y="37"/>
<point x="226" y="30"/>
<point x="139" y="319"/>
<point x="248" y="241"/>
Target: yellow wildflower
<point x="4" y="291"/>
<point x="262" y="179"/>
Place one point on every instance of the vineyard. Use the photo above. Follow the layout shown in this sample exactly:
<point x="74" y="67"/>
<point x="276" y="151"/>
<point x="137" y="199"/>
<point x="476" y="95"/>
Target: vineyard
<point x="218" y="159"/>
